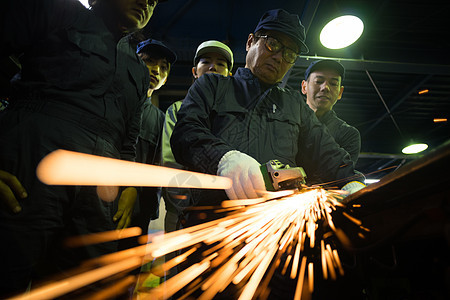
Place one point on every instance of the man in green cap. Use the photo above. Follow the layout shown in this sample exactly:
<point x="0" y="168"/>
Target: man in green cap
<point x="211" y="57"/>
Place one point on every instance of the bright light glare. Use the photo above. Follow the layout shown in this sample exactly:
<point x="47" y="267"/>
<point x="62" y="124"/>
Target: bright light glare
<point x="341" y="32"/>
<point x="415" y="148"/>
<point x="85" y="3"/>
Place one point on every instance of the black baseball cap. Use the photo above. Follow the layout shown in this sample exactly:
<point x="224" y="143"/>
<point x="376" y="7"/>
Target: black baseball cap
<point x="155" y="45"/>
<point x="282" y="21"/>
<point x="325" y="64"/>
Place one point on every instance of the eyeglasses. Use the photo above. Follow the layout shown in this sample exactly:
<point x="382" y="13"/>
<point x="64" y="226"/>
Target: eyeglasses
<point x="273" y="45"/>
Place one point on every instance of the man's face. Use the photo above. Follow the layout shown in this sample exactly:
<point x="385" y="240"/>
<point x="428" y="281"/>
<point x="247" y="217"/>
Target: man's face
<point x="322" y="89"/>
<point x="269" y="67"/>
<point x="159" y="70"/>
<point x="134" y="14"/>
<point x="211" y="63"/>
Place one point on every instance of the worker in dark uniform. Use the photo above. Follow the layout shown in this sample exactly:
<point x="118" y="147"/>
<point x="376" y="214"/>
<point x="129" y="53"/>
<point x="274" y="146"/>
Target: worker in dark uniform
<point x="230" y="125"/>
<point x="210" y="57"/>
<point x="81" y="88"/>
<point x="323" y="88"/>
<point x="159" y="60"/>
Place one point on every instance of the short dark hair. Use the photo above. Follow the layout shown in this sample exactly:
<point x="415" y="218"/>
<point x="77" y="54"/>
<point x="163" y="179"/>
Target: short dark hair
<point x="156" y="54"/>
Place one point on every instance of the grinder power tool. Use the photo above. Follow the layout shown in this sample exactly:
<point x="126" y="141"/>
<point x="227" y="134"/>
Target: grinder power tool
<point x="278" y="176"/>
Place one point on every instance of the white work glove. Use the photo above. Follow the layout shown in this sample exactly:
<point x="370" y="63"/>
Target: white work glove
<point x="244" y="171"/>
<point x="353" y="187"/>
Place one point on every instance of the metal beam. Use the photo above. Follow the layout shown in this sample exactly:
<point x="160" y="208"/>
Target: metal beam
<point x="308" y="14"/>
<point x="388" y="155"/>
<point x="380" y="66"/>
<point x="412" y="88"/>
<point x="385" y="106"/>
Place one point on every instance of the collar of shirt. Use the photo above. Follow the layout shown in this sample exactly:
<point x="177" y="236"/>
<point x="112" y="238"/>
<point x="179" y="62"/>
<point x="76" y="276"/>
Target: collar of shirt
<point x="246" y="74"/>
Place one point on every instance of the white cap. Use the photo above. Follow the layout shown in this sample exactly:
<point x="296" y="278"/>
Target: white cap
<point x="216" y="47"/>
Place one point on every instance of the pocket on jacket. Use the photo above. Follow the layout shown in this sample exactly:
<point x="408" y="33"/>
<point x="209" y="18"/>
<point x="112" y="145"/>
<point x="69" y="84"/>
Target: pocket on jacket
<point x="284" y="132"/>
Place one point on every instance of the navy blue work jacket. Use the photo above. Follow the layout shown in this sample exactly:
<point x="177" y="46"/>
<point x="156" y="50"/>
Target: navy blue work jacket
<point x="220" y="114"/>
<point x="82" y="67"/>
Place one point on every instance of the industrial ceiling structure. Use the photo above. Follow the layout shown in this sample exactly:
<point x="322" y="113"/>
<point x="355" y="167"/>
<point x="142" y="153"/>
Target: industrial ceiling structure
<point x="404" y="49"/>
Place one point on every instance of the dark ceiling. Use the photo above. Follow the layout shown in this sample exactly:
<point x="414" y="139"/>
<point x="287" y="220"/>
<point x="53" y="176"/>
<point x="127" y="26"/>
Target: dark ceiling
<point x="404" y="49"/>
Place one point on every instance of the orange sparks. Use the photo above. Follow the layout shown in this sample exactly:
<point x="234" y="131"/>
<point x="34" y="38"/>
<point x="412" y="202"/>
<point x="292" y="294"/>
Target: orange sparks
<point x="298" y="290"/>
<point x="244" y="248"/>
<point x="311" y="277"/>
<point x="423" y="92"/>
<point x="176" y="283"/>
<point x="439" y="120"/>
<point x="354" y="220"/>
<point x="65" y="286"/>
<point x="101" y="237"/>
<point x="323" y="260"/>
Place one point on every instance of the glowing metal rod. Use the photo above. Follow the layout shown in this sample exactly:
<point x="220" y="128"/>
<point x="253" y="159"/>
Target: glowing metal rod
<point x="63" y="167"/>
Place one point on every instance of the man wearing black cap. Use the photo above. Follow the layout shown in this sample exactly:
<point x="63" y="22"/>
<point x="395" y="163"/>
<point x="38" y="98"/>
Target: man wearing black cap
<point x="230" y="125"/>
<point x="323" y="88"/>
<point x="158" y="59"/>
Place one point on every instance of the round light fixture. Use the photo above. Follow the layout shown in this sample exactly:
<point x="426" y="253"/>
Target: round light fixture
<point x="414" y="148"/>
<point x="341" y="32"/>
<point x="85" y="3"/>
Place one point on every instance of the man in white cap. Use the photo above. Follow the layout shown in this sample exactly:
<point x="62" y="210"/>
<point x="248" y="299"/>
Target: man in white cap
<point x="211" y="57"/>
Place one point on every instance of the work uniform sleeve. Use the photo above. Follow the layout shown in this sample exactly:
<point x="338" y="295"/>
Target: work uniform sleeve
<point x="193" y="143"/>
<point x="351" y="141"/>
<point x="169" y="124"/>
<point x="23" y="22"/>
<point x="157" y="160"/>
<point x="321" y="156"/>
<point x="128" y="151"/>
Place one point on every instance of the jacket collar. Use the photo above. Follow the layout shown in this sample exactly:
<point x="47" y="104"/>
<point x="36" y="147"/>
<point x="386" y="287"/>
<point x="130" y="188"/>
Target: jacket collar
<point x="246" y="74"/>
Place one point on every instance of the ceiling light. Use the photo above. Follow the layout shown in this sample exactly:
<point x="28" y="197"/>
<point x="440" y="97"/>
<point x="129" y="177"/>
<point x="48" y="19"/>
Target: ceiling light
<point x="341" y="32"/>
<point x="85" y="3"/>
<point x="414" y="148"/>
